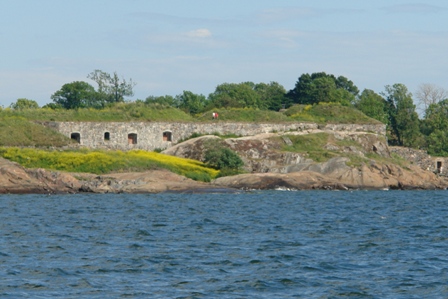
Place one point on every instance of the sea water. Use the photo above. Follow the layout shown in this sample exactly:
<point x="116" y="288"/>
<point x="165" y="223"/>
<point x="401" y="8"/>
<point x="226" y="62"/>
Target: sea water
<point x="267" y="244"/>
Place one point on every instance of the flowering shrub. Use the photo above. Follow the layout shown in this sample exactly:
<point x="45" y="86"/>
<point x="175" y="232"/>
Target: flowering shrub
<point x="99" y="162"/>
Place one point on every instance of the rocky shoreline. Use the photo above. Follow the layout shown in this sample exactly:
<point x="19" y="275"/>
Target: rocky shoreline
<point x="15" y="179"/>
<point x="266" y="167"/>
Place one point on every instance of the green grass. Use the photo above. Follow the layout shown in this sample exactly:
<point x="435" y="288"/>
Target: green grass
<point x="313" y="146"/>
<point x="328" y="113"/>
<point x="118" y="112"/>
<point x="17" y="131"/>
<point x="139" y="111"/>
<point x="394" y="159"/>
<point x="244" y="115"/>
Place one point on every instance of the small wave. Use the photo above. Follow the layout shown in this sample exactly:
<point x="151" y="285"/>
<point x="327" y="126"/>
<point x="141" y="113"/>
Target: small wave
<point x="143" y="232"/>
<point x="281" y="188"/>
<point x="159" y="225"/>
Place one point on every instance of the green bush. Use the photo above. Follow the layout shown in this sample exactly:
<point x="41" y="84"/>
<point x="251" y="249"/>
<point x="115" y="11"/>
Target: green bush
<point x="223" y="158"/>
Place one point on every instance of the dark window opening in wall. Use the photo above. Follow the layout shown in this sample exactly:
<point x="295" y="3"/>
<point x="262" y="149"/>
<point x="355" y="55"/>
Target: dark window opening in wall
<point x="132" y="138"/>
<point x="76" y="136"/>
<point x="439" y="167"/>
<point x="167" y="136"/>
<point x="107" y="136"/>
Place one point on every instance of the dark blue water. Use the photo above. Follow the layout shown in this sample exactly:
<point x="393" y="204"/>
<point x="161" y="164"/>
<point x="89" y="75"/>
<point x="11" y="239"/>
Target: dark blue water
<point x="375" y="244"/>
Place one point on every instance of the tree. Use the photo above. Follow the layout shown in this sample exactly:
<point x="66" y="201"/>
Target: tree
<point x="241" y="95"/>
<point x="435" y="128"/>
<point x="373" y="105"/>
<point x="346" y="84"/>
<point x="403" y="119"/>
<point x="110" y="87"/>
<point x="428" y="94"/>
<point x="75" y="95"/>
<point x="272" y="96"/>
<point x="190" y="102"/>
<point x="438" y="143"/>
<point x="23" y="103"/>
<point x="322" y="87"/>
<point x="166" y="100"/>
<point x="436" y="117"/>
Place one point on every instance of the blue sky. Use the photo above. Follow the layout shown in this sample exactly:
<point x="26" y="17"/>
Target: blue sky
<point x="174" y="45"/>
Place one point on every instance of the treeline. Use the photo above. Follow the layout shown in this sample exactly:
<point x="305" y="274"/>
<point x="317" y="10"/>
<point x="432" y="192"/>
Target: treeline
<point x="395" y="106"/>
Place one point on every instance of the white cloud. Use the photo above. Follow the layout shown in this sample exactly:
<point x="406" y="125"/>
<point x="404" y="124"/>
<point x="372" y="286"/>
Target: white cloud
<point x="199" y="33"/>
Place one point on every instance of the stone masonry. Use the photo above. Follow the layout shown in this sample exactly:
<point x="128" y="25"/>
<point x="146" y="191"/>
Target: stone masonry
<point x="162" y="135"/>
<point x="422" y="159"/>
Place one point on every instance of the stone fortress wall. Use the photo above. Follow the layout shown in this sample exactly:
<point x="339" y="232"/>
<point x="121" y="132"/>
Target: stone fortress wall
<point x="422" y="159"/>
<point x="162" y="135"/>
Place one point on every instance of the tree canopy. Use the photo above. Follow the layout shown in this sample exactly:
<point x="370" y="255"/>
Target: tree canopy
<point x="110" y="88"/>
<point x="78" y="94"/>
<point x="265" y="96"/>
<point x="322" y="87"/>
<point x="237" y="95"/>
<point x="435" y="127"/>
<point x="403" y="119"/>
<point x="23" y="103"/>
<point x="190" y="102"/>
<point x="373" y="105"/>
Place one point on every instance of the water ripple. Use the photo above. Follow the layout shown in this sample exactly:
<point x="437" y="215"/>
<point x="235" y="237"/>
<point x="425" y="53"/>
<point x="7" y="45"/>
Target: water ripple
<point x="250" y="245"/>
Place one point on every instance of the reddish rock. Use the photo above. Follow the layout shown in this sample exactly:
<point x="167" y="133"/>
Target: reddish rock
<point x="17" y="179"/>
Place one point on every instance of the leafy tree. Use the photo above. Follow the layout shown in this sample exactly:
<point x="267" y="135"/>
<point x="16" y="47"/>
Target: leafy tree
<point x="249" y="95"/>
<point x="239" y="95"/>
<point x="23" y="103"/>
<point x="347" y="85"/>
<point x="322" y="87"/>
<point x="437" y="143"/>
<point x="323" y="90"/>
<point x="272" y="96"/>
<point x="75" y="95"/>
<point x="191" y="103"/>
<point x="373" y="105"/>
<point x="435" y="128"/>
<point x="436" y="117"/>
<point x="403" y="119"/>
<point x="166" y="100"/>
<point x="110" y="87"/>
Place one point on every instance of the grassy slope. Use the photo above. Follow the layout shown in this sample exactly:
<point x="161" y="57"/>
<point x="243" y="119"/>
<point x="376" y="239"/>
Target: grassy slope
<point x="17" y="131"/>
<point x="328" y="113"/>
<point x="120" y="112"/>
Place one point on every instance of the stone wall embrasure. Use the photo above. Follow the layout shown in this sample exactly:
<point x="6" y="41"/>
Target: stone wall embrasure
<point x="162" y="135"/>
